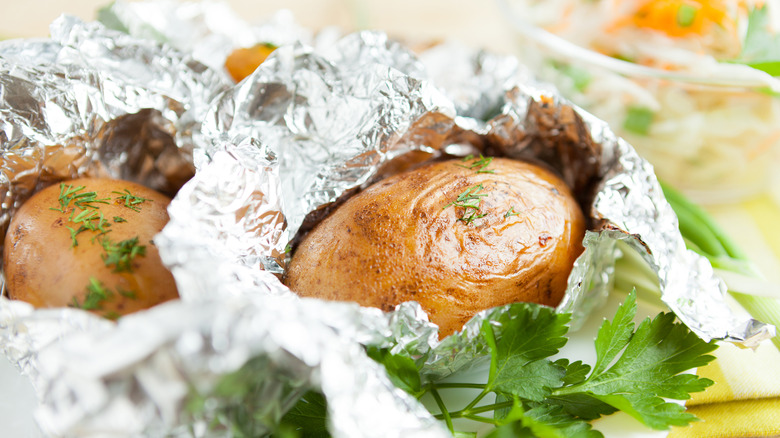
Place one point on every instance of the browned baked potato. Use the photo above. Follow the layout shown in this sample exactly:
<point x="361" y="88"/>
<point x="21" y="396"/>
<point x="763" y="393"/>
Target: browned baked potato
<point x="87" y="243"/>
<point x="457" y="236"/>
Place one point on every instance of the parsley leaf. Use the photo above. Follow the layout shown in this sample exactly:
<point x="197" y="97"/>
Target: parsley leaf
<point x="308" y="418"/>
<point x="543" y="421"/>
<point x="402" y="370"/>
<point x="518" y="362"/>
<point x="647" y="369"/>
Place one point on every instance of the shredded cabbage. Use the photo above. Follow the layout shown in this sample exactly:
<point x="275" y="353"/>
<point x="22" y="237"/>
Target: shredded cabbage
<point x="692" y="90"/>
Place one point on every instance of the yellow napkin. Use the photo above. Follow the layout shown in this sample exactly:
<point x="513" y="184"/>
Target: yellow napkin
<point x="745" y="399"/>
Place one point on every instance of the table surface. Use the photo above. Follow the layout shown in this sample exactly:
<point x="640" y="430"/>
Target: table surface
<point x="477" y="24"/>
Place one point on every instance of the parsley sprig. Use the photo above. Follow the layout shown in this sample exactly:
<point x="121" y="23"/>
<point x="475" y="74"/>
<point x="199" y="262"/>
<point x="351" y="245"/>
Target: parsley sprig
<point x="537" y="396"/>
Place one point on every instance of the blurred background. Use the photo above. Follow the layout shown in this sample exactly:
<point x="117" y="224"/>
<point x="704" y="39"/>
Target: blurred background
<point x="474" y="23"/>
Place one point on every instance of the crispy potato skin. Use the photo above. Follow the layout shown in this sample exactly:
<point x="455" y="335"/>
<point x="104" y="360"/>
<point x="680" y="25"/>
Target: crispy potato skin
<point x="43" y="267"/>
<point x="398" y="241"/>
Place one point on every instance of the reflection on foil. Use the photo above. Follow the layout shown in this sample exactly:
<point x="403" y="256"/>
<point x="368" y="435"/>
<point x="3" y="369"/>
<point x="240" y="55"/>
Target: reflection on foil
<point x="272" y="155"/>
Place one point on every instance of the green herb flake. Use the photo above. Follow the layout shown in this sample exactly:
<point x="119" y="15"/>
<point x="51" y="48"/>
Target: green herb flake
<point x="96" y="295"/>
<point x="130" y="200"/>
<point x="112" y="315"/>
<point x="119" y="219"/>
<point x="511" y="212"/>
<point x="469" y="200"/>
<point x="121" y="254"/>
<point x="638" y="120"/>
<point x="129" y="294"/>
<point x="88" y="200"/>
<point x="686" y="14"/>
<point x="66" y="195"/>
<point x="73" y="233"/>
<point x="478" y="164"/>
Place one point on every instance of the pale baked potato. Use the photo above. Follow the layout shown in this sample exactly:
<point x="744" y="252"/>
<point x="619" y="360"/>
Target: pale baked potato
<point x="87" y="243"/>
<point x="457" y="236"/>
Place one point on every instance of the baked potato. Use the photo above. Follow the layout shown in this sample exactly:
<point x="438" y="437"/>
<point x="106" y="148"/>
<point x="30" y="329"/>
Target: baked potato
<point x="457" y="236"/>
<point x="87" y="243"/>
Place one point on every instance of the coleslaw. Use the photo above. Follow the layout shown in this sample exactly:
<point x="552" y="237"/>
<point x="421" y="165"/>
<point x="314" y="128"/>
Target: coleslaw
<point x="689" y="83"/>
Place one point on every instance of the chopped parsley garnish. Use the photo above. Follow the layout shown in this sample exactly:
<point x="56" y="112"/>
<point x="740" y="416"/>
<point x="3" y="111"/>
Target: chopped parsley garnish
<point x="130" y="200"/>
<point x="73" y="233"/>
<point x="72" y="194"/>
<point x="91" y="220"/>
<point x="85" y="214"/>
<point x="511" y="212"/>
<point x="121" y="254"/>
<point x="96" y="295"/>
<point x="469" y="201"/>
<point x="478" y="164"/>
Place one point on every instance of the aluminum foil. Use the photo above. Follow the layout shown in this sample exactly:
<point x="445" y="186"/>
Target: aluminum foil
<point x="272" y="155"/>
<point x="95" y="102"/>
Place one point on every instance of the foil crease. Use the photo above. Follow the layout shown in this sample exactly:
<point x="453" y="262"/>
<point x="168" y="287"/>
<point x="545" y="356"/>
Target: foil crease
<point x="90" y="101"/>
<point x="314" y="124"/>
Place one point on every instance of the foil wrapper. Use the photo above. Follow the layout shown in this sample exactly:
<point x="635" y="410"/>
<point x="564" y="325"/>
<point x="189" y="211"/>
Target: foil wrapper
<point x="271" y="156"/>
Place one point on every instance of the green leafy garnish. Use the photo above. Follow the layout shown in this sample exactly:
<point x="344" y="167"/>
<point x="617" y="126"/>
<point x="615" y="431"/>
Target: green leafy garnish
<point x="121" y="254"/>
<point x="635" y="370"/>
<point x="307" y="418"/>
<point x="761" y="47"/>
<point x="73" y="233"/>
<point x="96" y="295"/>
<point x="130" y="200"/>
<point x="638" y="120"/>
<point x="469" y="201"/>
<point x="119" y="219"/>
<point x="477" y="164"/>
<point x="511" y="212"/>
<point x="72" y="194"/>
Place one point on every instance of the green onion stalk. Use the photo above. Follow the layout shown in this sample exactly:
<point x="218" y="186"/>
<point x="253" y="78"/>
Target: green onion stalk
<point x="704" y="236"/>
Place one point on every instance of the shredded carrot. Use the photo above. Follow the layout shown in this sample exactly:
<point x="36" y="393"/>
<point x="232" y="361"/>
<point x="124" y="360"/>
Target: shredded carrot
<point x="767" y="144"/>
<point x="677" y="18"/>
<point x="565" y="20"/>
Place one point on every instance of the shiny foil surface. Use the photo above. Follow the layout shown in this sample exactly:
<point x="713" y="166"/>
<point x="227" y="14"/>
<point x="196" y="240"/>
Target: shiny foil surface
<point x="267" y="158"/>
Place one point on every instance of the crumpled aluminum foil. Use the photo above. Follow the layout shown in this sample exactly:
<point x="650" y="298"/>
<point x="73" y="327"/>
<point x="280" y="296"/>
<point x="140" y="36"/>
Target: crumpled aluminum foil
<point x="272" y="155"/>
